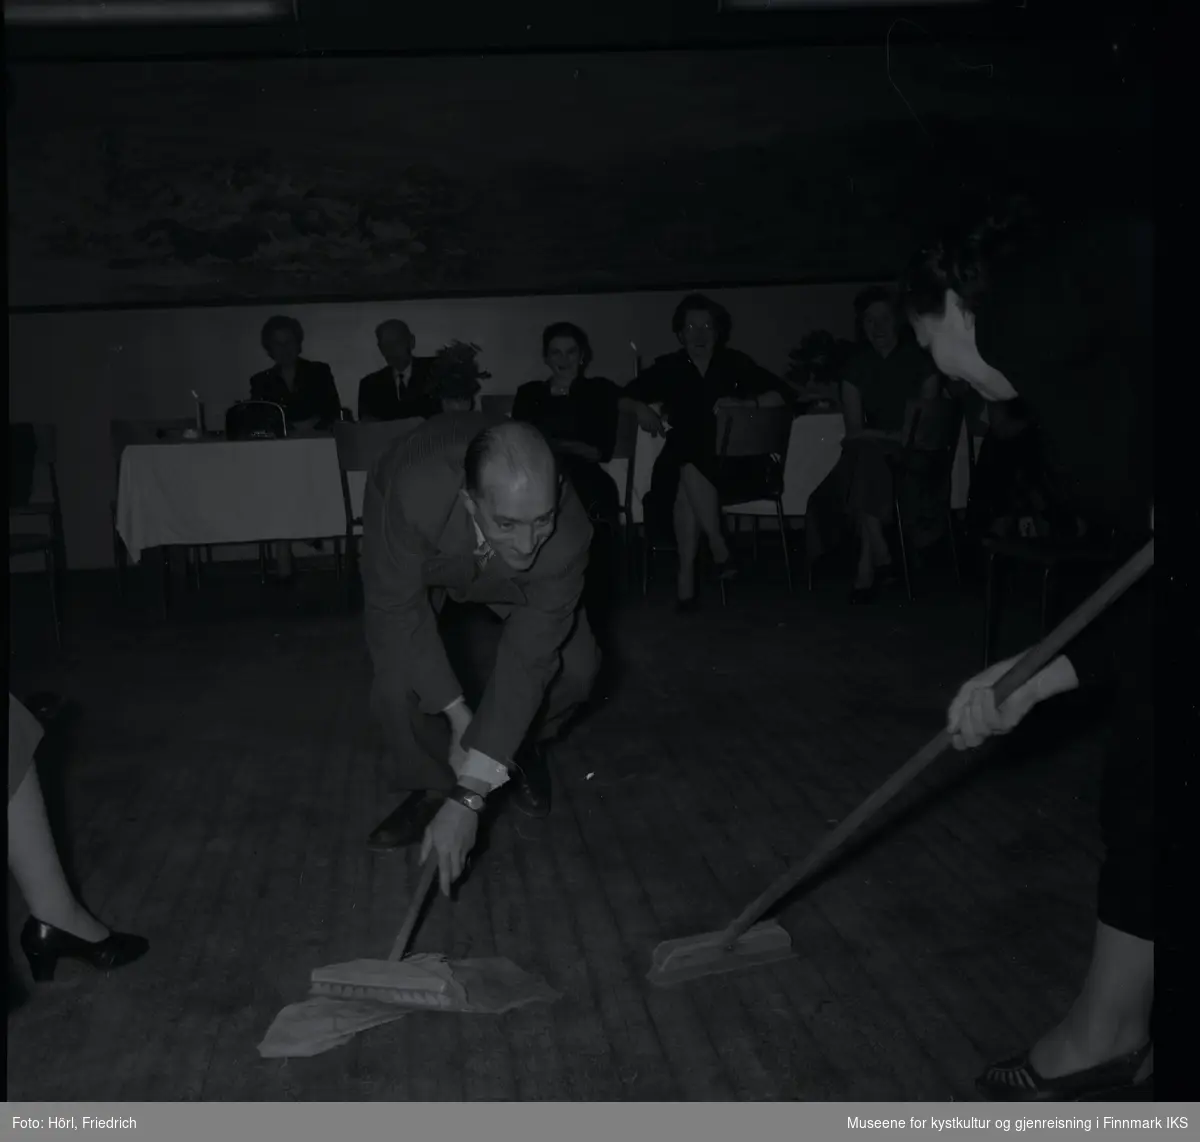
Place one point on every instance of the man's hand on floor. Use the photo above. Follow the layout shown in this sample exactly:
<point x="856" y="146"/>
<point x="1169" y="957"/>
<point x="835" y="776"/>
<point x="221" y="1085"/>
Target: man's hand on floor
<point x="450" y="838"/>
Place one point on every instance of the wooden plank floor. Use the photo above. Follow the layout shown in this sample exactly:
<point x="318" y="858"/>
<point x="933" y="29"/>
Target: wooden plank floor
<point x="223" y="775"/>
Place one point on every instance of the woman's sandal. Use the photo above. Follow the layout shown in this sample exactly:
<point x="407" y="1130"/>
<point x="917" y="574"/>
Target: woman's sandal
<point x="1017" y="1080"/>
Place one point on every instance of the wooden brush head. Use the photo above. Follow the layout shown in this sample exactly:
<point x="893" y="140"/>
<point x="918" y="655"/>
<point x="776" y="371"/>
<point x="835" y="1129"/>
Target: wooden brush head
<point x="401" y="975"/>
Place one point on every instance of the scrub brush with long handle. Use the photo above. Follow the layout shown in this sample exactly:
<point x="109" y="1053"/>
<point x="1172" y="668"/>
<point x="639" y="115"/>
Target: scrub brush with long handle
<point x="394" y="980"/>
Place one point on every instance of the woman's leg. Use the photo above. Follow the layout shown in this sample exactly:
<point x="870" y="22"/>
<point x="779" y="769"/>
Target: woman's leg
<point x="1111" y="1016"/>
<point x="873" y="552"/>
<point x="706" y="507"/>
<point x="864" y="573"/>
<point x="869" y="500"/>
<point x="35" y="866"/>
<point x="687" y="539"/>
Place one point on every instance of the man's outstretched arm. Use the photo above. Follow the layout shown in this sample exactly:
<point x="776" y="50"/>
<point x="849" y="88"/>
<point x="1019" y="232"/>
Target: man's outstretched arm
<point x="527" y="661"/>
<point x="401" y="626"/>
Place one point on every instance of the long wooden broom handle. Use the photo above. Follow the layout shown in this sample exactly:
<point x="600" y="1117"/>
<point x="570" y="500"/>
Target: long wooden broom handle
<point x="1030" y="664"/>
<point x="414" y="909"/>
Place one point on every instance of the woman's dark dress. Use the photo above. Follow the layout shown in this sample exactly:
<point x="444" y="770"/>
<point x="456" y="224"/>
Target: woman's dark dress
<point x="586" y="414"/>
<point x="1072" y="333"/>
<point x="688" y="399"/>
<point x="313" y="393"/>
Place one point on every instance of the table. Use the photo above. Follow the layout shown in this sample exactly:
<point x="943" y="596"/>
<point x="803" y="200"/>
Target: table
<point x="813" y="450"/>
<point x="195" y="493"/>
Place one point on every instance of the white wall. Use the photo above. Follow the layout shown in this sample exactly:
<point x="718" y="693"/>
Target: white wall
<point x="82" y="370"/>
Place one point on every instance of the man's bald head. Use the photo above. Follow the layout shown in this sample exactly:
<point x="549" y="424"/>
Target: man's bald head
<point x="512" y="490"/>
<point x="508" y="453"/>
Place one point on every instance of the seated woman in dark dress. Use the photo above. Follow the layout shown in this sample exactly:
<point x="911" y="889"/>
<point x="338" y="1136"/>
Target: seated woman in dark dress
<point x="578" y="416"/>
<point x="880" y="388"/>
<point x="1058" y="314"/>
<point x="304" y="388"/>
<point x="691" y="384"/>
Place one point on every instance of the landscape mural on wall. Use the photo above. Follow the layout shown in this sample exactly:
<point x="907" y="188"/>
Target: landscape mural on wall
<point x="190" y="182"/>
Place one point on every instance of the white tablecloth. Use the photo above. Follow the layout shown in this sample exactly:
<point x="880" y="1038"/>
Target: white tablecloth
<point x="211" y="492"/>
<point x="813" y="450"/>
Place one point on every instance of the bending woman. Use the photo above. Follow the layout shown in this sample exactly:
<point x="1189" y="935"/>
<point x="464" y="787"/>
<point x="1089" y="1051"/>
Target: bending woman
<point x="1062" y="320"/>
<point x="691" y="385"/>
<point x="60" y="927"/>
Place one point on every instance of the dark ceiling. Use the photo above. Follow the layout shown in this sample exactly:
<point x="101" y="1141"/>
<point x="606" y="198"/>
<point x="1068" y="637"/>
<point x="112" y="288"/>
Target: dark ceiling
<point x="442" y="26"/>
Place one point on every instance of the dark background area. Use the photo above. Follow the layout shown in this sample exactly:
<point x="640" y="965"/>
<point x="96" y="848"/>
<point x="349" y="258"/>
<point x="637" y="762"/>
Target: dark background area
<point x="535" y="25"/>
<point x="486" y="149"/>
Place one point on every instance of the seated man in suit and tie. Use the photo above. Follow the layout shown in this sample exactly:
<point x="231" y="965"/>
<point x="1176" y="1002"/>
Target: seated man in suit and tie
<point x="474" y="556"/>
<point x="400" y="390"/>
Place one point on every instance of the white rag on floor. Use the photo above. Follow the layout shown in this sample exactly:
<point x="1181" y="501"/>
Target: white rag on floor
<point x="322" y="1022"/>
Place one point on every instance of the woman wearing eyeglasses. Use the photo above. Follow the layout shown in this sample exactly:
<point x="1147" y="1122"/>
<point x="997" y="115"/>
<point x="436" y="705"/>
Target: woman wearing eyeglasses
<point x="690" y="385"/>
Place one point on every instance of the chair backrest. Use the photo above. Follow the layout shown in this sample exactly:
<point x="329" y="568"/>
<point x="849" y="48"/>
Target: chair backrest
<point x="360" y="445"/>
<point x="47" y="443"/>
<point x="32" y="446"/>
<point x="753" y="432"/>
<point x="936" y="425"/>
<point x="255" y="418"/>
<point x="22" y="460"/>
<point x="497" y="404"/>
<point x="625" y="448"/>
<point x="625" y="444"/>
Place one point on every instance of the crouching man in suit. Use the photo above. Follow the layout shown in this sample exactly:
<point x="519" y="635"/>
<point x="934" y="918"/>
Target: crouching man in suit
<point x="474" y="554"/>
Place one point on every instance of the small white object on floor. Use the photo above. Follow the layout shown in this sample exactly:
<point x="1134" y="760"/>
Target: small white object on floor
<point x="590" y="776"/>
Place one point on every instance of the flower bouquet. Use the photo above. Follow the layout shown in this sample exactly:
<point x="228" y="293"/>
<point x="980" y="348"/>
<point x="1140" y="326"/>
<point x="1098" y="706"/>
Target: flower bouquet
<point x="455" y="374"/>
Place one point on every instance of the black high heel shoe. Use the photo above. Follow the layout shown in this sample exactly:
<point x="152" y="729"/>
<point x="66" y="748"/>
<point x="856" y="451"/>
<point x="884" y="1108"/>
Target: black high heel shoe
<point x="44" y="945"/>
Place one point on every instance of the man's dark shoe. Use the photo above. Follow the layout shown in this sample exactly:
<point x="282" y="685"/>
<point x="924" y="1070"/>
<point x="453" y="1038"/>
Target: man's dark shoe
<point x="531" y="781"/>
<point x="406" y="825"/>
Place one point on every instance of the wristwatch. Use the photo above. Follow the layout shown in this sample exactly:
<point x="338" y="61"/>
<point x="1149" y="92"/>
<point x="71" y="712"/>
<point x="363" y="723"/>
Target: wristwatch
<point x="467" y="798"/>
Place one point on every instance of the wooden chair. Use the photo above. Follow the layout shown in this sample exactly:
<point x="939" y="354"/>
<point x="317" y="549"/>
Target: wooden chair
<point x="1050" y="556"/>
<point x="50" y="542"/>
<point x="358" y="447"/>
<point x="746" y="433"/>
<point x="40" y="505"/>
<point x="625" y="448"/>
<point x="497" y="404"/>
<point x="928" y="456"/>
